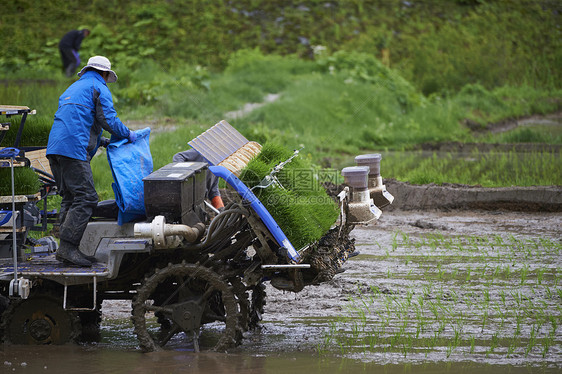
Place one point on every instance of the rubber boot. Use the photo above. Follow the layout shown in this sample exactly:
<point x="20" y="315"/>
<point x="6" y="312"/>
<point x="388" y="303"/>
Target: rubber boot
<point x="70" y="255"/>
<point x="92" y="259"/>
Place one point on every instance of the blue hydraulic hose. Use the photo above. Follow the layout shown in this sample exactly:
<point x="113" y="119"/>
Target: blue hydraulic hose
<point x="256" y="204"/>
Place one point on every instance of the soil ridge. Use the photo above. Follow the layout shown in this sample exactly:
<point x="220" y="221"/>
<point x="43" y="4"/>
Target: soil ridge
<point x="450" y="196"/>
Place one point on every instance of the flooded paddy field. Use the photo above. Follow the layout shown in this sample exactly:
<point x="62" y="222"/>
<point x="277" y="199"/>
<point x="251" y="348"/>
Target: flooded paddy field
<point x="462" y="288"/>
<point x="458" y="291"/>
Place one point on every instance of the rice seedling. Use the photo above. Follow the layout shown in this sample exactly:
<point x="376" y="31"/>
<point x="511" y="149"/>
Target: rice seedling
<point x="513" y="307"/>
<point x="540" y="275"/>
<point x="35" y="131"/>
<point x="502" y="296"/>
<point x="26" y="181"/>
<point x="524" y="272"/>
<point x="468" y="271"/>
<point x="304" y="213"/>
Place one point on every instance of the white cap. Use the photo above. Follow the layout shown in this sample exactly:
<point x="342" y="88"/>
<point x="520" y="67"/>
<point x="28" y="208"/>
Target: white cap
<point x="100" y="63"/>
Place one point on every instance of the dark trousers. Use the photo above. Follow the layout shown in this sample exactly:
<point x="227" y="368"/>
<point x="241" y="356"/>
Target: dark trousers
<point x="69" y="63"/>
<point x="75" y="184"/>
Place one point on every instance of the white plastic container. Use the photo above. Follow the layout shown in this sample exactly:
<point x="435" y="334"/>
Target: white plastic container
<point x="356" y="176"/>
<point x="373" y="161"/>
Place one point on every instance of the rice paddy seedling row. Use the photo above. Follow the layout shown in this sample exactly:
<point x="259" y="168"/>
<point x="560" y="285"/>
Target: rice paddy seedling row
<point x="496" y="298"/>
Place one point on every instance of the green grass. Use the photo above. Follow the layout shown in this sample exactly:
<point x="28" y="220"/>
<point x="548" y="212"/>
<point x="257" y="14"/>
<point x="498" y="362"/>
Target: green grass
<point x="36" y="92"/>
<point x="494" y="105"/>
<point x="336" y="107"/>
<point x="489" y="169"/>
<point x="537" y="133"/>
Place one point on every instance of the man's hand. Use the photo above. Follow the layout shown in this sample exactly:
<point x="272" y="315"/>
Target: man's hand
<point x="104" y="142"/>
<point x="217" y="203"/>
<point x="132" y="136"/>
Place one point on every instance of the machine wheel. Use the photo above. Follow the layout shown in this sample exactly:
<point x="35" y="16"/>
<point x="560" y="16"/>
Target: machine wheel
<point x="258" y="305"/>
<point x="241" y="295"/>
<point x="187" y="296"/>
<point x="39" y="320"/>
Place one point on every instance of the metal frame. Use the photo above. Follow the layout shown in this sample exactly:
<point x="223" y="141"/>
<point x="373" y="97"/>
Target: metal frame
<point x="94" y="281"/>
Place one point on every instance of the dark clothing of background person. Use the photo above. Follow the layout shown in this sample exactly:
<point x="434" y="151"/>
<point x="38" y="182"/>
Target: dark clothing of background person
<point x="68" y="47"/>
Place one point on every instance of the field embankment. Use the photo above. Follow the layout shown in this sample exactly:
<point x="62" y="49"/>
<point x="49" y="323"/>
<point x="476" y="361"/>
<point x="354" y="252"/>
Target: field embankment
<point x="462" y="197"/>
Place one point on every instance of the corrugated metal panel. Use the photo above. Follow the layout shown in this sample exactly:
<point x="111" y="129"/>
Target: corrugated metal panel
<point x="218" y="142"/>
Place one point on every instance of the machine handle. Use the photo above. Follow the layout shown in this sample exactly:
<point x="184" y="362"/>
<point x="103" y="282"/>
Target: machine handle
<point x="9" y="152"/>
<point x="7" y="217"/>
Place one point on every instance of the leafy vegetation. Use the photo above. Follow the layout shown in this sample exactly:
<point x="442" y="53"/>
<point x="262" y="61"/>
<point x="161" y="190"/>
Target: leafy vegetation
<point x="435" y="45"/>
<point x="348" y="77"/>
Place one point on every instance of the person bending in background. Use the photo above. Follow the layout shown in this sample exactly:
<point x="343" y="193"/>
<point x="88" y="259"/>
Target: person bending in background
<point x="68" y="48"/>
<point x="212" y="184"/>
<point x="85" y="109"/>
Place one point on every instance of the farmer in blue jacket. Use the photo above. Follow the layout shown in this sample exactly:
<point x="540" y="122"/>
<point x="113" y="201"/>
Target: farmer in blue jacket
<point x="85" y="110"/>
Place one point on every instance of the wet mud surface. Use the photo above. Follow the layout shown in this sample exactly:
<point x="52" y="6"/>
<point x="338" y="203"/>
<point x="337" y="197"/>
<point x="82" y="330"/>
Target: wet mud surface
<point x="472" y="264"/>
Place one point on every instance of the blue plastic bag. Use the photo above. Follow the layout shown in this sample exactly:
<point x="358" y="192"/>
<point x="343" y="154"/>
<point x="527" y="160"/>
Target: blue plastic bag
<point x="130" y="163"/>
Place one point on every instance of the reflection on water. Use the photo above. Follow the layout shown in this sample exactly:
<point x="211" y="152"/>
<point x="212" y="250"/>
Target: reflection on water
<point x="278" y="349"/>
<point x="102" y="360"/>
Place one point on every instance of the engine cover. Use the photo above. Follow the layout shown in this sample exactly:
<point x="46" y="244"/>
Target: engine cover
<point x="177" y="192"/>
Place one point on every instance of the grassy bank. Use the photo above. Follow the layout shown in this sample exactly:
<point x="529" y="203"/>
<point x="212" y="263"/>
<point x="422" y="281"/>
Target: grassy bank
<point x="336" y="107"/>
<point x="487" y="169"/>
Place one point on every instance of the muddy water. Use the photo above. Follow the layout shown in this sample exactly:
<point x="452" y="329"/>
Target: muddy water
<point x="109" y="361"/>
<point x="487" y="299"/>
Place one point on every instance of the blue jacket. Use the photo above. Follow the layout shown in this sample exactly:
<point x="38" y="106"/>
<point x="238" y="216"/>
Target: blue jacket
<point x="85" y="109"/>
